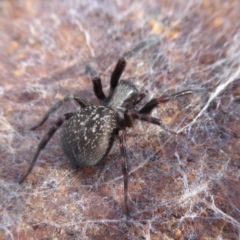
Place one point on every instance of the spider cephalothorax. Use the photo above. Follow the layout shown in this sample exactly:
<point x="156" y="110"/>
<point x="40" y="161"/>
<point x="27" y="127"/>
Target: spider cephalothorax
<point x="88" y="134"/>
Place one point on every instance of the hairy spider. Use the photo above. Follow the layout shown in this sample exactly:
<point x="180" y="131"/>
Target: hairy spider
<point x="88" y="134"/>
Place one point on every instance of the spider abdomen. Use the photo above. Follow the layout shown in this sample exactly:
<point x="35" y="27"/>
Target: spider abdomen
<point x="87" y="137"/>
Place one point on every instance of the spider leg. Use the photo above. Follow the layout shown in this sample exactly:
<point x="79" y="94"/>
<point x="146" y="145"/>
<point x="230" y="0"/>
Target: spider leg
<point x="147" y="118"/>
<point x="81" y="101"/>
<point x="97" y="84"/>
<point x="122" y="62"/>
<point x="141" y="46"/>
<point x="122" y="140"/>
<point x="44" y="142"/>
<point x="165" y="98"/>
<point x="117" y="72"/>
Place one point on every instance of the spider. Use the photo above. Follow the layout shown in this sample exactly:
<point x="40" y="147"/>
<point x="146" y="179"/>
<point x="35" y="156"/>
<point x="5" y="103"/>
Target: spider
<point x="88" y="134"/>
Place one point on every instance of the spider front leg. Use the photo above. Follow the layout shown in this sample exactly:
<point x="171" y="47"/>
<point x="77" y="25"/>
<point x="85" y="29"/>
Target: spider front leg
<point x="163" y="99"/>
<point x="81" y="101"/>
<point x="122" y="62"/>
<point x="44" y="142"/>
<point x="122" y="140"/>
<point x="97" y="84"/>
<point x="147" y="118"/>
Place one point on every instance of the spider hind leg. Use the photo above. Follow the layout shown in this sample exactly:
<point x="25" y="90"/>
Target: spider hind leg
<point x="44" y="142"/>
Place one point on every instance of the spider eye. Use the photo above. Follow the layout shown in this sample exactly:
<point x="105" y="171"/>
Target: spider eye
<point x="130" y="99"/>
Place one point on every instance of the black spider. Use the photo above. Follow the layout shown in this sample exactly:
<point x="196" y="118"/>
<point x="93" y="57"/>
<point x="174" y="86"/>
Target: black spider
<point x="88" y="135"/>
